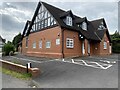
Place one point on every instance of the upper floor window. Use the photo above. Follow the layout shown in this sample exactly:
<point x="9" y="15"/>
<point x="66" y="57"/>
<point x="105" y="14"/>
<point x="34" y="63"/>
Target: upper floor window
<point x="101" y="26"/>
<point x="84" y="26"/>
<point x="69" y="21"/>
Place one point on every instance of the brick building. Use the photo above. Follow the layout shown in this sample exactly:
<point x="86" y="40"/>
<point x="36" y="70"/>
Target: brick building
<point x="56" y="33"/>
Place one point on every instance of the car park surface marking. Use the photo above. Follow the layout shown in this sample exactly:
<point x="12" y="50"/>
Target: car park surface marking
<point x="85" y="63"/>
<point x="93" y="64"/>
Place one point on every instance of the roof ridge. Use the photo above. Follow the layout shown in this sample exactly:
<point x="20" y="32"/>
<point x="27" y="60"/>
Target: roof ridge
<point x="97" y="19"/>
<point x="53" y="6"/>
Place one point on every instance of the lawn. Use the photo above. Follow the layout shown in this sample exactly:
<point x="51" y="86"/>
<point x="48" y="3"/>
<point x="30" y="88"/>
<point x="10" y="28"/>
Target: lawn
<point x="23" y="76"/>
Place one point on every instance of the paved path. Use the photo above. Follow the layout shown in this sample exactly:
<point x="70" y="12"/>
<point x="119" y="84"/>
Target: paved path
<point x="11" y="82"/>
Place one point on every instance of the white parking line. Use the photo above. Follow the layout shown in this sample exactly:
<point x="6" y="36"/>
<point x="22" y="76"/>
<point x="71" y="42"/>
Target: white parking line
<point x="26" y="59"/>
<point x="97" y="65"/>
<point x="84" y="63"/>
<point x="108" y="61"/>
<point x="103" y="58"/>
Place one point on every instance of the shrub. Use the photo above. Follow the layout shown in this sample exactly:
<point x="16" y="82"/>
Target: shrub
<point x="7" y="48"/>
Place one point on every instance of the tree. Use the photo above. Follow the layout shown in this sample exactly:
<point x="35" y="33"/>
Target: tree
<point x="7" y="48"/>
<point x="16" y="40"/>
<point x="116" y="42"/>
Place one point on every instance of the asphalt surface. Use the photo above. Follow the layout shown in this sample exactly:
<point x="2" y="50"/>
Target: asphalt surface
<point x="58" y="74"/>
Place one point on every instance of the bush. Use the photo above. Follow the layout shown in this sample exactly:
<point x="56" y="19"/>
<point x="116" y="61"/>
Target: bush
<point x="8" y="48"/>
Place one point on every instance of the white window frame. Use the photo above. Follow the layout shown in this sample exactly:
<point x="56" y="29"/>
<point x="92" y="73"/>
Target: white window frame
<point x="69" y="21"/>
<point x="105" y="45"/>
<point x="40" y="44"/>
<point x="48" y="44"/>
<point x="57" y="41"/>
<point x="34" y="45"/>
<point x="84" y="26"/>
<point x="101" y="26"/>
<point x="69" y="43"/>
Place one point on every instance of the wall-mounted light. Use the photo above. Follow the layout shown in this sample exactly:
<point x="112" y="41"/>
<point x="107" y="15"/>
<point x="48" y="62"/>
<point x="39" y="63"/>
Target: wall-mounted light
<point x="81" y="36"/>
<point x="96" y="48"/>
<point x="58" y="34"/>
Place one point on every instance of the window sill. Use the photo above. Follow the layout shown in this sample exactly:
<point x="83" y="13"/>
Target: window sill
<point x="69" y="47"/>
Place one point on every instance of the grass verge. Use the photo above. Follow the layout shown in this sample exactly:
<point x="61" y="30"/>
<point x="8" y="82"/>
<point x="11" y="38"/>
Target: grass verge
<point x="24" y="76"/>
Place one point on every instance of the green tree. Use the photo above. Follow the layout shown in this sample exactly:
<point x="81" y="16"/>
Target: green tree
<point x="116" y="42"/>
<point x="16" y="41"/>
<point x="7" y="48"/>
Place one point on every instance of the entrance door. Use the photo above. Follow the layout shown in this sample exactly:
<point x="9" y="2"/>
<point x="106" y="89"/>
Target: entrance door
<point x="88" y="47"/>
<point x="110" y="50"/>
<point x="83" y="48"/>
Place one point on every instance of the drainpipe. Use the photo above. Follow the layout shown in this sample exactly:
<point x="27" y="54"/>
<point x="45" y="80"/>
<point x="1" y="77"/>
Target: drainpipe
<point x="62" y="43"/>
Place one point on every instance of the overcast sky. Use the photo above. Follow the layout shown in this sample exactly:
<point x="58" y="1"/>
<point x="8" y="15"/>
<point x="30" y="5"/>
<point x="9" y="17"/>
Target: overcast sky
<point x="14" y="14"/>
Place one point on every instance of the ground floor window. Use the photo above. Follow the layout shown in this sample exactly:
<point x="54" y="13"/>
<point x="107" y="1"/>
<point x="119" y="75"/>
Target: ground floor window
<point x="48" y="44"/>
<point x="34" y="44"/>
<point x="105" y="45"/>
<point x="57" y="41"/>
<point x="40" y="44"/>
<point x="69" y="43"/>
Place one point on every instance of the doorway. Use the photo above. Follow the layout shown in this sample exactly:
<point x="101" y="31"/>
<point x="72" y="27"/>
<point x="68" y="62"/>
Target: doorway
<point x="88" y="48"/>
<point x="83" y="48"/>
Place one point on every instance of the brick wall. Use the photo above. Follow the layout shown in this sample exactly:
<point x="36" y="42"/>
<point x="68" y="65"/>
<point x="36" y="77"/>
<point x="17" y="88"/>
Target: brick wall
<point x="19" y="68"/>
<point x="76" y="50"/>
<point x="55" y="51"/>
<point x="46" y="35"/>
<point x="102" y="50"/>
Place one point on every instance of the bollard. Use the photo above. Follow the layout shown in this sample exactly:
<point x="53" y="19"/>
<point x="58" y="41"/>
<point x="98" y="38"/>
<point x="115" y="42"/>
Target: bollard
<point x="28" y="65"/>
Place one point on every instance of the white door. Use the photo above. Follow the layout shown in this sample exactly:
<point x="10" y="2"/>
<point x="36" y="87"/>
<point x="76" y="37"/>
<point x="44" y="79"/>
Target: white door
<point x="88" y="47"/>
<point x="110" y="50"/>
<point x="83" y="48"/>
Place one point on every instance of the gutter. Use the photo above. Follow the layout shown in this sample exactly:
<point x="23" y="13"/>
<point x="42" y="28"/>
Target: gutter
<point x="62" y="43"/>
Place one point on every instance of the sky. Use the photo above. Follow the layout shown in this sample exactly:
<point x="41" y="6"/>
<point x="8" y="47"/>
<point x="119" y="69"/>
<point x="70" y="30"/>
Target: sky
<point x="13" y="15"/>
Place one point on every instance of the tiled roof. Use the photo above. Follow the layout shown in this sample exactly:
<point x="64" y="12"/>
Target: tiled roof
<point x="92" y="32"/>
<point x="1" y="39"/>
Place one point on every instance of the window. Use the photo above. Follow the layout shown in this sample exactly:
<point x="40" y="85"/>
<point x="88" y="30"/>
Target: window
<point x="26" y="42"/>
<point x="40" y="44"/>
<point x="101" y="26"/>
<point x="48" y="44"/>
<point x="69" y="43"/>
<point x="45" y="23"/>
<point x="105" y="45"/>
<point x="34" y="45"/>
<point x="57" y="41"/>
<point x="69" y="20"/>
<point x="84" y="26"/>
